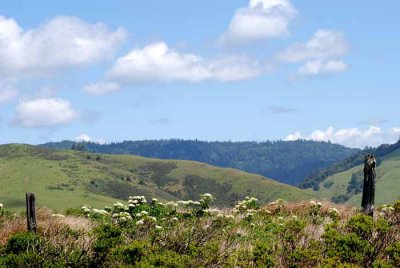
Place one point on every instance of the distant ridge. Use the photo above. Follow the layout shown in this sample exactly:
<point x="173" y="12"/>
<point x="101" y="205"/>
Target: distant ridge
<point x="285" y="161"/>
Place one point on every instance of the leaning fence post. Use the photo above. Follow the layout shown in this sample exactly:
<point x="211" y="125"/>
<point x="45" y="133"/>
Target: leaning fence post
<point x="368" y="196"/>
<point x="30" y="212"/>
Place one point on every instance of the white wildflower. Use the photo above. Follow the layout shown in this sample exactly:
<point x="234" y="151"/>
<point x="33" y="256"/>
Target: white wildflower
<point x="154" y="219"/>
<point x="334" y="212"/>
<point x="100" y="211"/>
<point x="231" y="217"/>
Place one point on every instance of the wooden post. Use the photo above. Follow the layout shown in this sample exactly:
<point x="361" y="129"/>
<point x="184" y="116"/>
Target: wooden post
<point x="30" y="212"/>
<point x="368" y="196"/>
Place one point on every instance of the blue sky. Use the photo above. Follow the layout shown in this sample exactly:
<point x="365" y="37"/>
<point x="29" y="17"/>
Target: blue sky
<point x="212" y="70"/>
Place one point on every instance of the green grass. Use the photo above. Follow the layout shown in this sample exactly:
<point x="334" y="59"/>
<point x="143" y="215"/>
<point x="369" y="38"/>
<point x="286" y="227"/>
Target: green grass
<point x="63" y="179"/>
<point x="387" y="184"/>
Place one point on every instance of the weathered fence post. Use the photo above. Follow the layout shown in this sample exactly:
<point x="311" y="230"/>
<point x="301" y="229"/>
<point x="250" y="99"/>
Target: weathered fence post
<point x="30" y="212"/>
<point x="368" y="196"/>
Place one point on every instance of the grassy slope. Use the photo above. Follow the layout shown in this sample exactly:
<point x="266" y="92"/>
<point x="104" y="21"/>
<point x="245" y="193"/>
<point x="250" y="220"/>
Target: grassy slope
<point x="387" y="185"/>
<point x="63" y="179"/>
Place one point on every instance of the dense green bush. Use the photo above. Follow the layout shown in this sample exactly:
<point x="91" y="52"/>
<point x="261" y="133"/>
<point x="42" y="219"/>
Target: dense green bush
<point x="193" y="234"/>
<point x="32" y="250"/>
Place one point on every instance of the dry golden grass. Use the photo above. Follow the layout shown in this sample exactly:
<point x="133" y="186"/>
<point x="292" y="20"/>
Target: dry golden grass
<point x="49" y="227"/>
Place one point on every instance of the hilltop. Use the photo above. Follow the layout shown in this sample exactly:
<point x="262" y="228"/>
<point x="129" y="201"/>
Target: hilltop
<point x="285" y="161"/>
<point x="70" y="178"/>
<point x="346" y="186"/>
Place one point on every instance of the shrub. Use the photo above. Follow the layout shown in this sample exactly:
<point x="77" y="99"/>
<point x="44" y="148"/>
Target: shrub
<point x="23" y="242"/>
<point x="393" y="252"/>
<point x="362" y="225"/>
<point x="262" y="255"/>
<point x="128" y="254"/>
<point x="108" y="237"/>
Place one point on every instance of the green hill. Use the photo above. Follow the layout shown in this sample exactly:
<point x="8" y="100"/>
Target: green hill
<point x="66" y="178"/>
<point x="346" y="187"/>
<point x="288" y="162"/>
<point x="314" y="180"/>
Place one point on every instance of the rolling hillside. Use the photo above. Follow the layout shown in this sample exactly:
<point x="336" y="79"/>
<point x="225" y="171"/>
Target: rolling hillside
<point x="356" y="159"/>
<point x="285" y="161"/>
<point x="66" y="178"/>
<point x="345" y="187"/>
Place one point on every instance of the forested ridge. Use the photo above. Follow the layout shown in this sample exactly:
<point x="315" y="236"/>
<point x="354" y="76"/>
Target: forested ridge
<point x="285" y="161"/>
<point x="318" y="176"/>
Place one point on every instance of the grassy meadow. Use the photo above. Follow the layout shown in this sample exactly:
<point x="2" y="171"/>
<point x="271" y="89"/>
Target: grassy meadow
<point x="387" y="183"/>
<point x="67" y="178"/>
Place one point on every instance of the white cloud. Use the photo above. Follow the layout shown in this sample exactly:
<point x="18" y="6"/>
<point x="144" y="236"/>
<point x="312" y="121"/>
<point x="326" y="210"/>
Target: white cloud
<point x="58" y="43"/>
<point x="324" y="44"/>
<point x="319" y="55"/>
<point x="83" y="137"/>
<point x="352" y="137"/>
<point x="157" y="63"/>
<point x="7" y="92"/>
<point x="396" y="130"/>
<point x="87" y="138"/>
<point x="260" y="20"/>
<point x="102" y="88"/>
<point x="317" y="67"/>
<point x="43" y="113"/>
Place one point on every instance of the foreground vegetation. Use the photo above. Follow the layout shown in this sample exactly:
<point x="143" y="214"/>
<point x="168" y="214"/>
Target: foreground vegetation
<point x="192" y="234"/>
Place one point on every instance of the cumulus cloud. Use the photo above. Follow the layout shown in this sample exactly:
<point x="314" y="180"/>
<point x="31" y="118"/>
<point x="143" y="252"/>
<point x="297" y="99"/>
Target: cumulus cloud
<point x="157" y="63"/>
<point x="317" y="67"/>
<point x="7" y="94"/>
<point x="319" y="55"/>
<point x="58" y="43"/>
<point x="351" y="137"/>
<point x="87" y="138"/>
<point x="323" y="44"/>
<point x="260" y="20"/>
<point x="43" y="113"/>
<point x="102" y="88"/>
